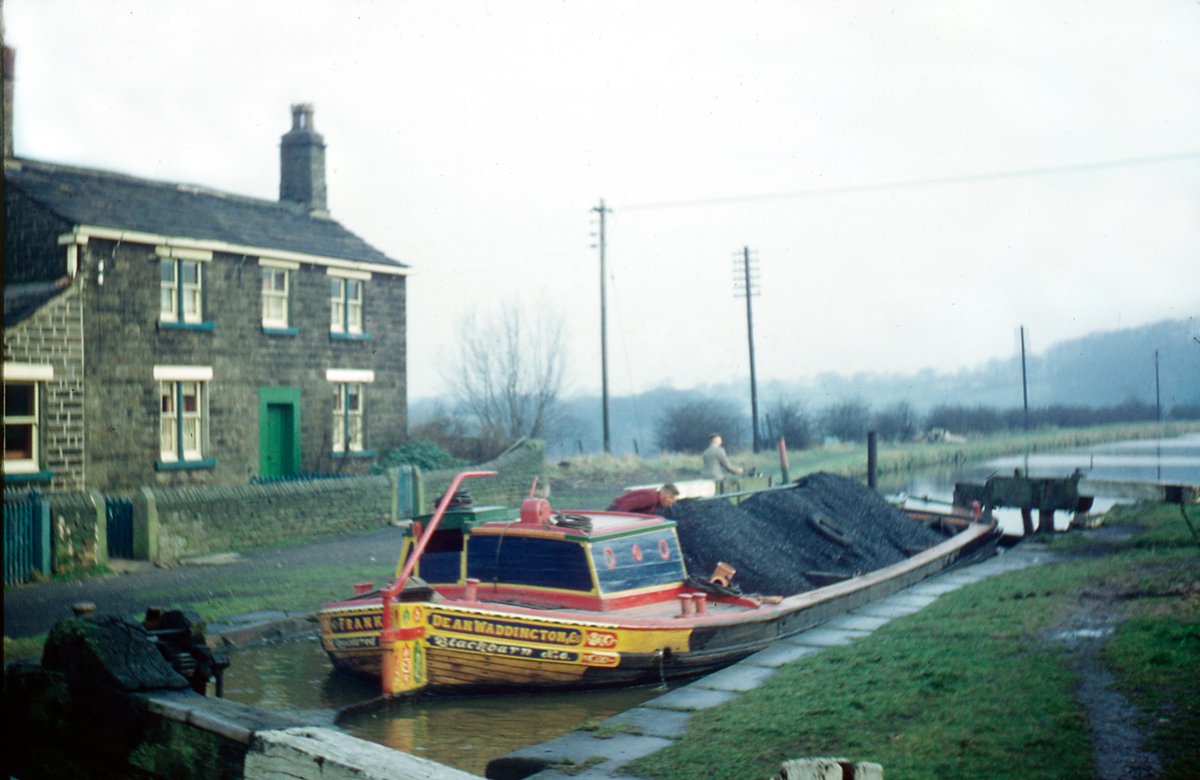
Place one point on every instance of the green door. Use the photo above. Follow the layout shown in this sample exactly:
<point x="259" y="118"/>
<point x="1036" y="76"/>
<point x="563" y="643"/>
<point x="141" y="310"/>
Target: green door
<point x="279" y="431"/>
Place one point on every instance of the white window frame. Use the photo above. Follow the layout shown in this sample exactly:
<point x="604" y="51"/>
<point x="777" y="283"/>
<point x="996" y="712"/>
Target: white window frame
<point x="346" y="294"/>
<point x="275" y="312"/>
<point x="348" y="429"/>
<point x="183" y="431"/>
<point x="168" y="303"/>
<point x="35" y="376"/>
<point x="180" y="301"/>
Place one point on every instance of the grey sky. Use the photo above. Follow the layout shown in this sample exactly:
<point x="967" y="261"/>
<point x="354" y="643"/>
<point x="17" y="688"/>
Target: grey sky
<point x="839" y="141"/>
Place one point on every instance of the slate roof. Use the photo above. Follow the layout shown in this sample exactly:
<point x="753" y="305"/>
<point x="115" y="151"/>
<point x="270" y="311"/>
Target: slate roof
<point x="22" y="300"/>
<point x="95" y="198"/>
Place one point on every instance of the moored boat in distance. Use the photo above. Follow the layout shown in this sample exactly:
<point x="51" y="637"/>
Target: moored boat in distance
<point x="486" y="600"/>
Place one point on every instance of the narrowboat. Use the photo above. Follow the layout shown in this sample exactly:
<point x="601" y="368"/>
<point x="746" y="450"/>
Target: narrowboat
<point x="487" y="600"/>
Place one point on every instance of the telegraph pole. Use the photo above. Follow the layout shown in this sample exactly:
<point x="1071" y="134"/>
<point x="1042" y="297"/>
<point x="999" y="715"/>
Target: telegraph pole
<point x="601" y="210"/>
<point x="1024" y="382"/>
<point x="745" y="282"/>
<point x="1157" y="393"/>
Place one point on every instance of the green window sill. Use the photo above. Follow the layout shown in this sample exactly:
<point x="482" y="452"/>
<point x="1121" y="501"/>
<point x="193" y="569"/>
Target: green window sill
<point x="202" y="326"/>
<point x="185" y="465"/>
<point x="45" y="475"/>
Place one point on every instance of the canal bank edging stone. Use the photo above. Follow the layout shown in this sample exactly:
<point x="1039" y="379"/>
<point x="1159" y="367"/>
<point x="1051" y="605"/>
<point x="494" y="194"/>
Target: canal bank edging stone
<point x="261" y="626"/>
<point x="659" y="722"/>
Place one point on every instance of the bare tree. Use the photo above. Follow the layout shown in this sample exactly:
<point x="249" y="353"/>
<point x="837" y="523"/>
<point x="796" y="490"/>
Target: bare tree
<point x="687" y="425"/>
<point x="510" y="367"/>
<point x="897" y="422"/>
<point x="847" y="420"/>
<point x="792" y="421"/>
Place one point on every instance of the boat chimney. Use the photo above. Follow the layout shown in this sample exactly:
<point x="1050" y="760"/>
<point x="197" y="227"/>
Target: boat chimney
<point x="535" y="512"/>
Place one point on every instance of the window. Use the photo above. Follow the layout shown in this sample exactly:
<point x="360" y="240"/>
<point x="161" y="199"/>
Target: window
<point x="20" y="427"/>
<point x="182" y="420"/>
<point x="274" y="297"/>
<point x="180" y="283"/>
<point x="181" y="288"/>
<point x="348" y="417"/>
<point x="346" y="288"/>
<point x="183" y="415"/>
<point x="348" y="430"/>
<point x="24" y="389"/>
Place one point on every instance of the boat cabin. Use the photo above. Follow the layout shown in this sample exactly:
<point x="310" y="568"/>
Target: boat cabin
<point x="584" y="560"/>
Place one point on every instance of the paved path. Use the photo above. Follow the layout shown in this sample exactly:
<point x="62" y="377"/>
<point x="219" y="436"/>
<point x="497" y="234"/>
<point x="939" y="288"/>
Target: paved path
<point x="659" y="722"/>
<point x="33" y="608"/>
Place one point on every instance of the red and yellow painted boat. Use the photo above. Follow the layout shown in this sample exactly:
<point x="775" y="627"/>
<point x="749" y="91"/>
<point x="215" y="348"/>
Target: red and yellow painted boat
<point x="548" y="599"/>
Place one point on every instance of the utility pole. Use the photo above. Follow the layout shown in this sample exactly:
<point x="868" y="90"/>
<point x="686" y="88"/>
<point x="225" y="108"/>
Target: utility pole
<point x="601" y="210"/>
<point x="1024" y="382"/>
<point x="745" y="282"/>
<point x="1157" y="394"/>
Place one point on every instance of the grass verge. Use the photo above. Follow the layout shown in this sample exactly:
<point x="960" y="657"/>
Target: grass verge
<point x="292" y="590"/>
<point x="976" y="685"/>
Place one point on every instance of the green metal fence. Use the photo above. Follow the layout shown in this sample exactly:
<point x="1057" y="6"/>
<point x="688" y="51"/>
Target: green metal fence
<point x="26" y="537"/>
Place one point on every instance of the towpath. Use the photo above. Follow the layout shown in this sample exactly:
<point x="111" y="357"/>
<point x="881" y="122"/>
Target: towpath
<point x="32" y="609"/>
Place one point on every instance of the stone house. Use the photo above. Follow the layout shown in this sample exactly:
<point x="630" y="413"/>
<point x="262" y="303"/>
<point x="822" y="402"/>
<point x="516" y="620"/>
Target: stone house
<point x="164" y="334"/>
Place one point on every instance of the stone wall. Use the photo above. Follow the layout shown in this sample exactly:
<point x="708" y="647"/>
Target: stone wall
<point x="78" y="532"/>
<point x="192" y="522"/>
<point x="174" y="523"/>
<point x="53" y="336"/>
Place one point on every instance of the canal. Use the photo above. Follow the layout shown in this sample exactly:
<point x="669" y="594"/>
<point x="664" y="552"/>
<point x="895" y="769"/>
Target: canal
<point x="466" y="732"/>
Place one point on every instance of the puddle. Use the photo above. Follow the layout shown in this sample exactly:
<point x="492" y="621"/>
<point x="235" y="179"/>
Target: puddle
<point x="1076" y="635"/>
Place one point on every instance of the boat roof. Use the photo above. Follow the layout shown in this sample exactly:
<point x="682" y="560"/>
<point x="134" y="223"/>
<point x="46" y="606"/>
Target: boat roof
<point x="577" y="525"/>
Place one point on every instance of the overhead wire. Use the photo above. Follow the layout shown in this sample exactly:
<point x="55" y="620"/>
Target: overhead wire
<point x="932" y="181"/>
<point x="637" y="419"/>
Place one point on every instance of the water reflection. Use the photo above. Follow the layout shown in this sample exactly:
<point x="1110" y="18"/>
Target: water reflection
<point x="1175" y="460"/>
<point x="464" y="732"/>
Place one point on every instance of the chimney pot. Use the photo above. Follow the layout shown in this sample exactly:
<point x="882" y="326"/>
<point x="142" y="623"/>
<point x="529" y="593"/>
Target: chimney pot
<point x="302" y="162"/>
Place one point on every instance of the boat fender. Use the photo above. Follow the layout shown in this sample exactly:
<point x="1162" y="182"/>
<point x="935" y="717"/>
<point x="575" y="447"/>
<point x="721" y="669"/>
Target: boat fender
<point x="535" y="511"/>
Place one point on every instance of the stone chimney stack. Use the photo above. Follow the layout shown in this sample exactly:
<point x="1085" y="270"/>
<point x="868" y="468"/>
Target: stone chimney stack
<point x="10" y="58"/>
<point x="302" y="163"/>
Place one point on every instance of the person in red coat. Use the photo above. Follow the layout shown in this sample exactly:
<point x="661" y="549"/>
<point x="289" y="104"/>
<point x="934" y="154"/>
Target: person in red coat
<point x="646" y="501"/>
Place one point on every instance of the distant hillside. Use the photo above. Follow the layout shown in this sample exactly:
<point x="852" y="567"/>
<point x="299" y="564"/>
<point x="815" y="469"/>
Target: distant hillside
<point x="1101" y="369"/>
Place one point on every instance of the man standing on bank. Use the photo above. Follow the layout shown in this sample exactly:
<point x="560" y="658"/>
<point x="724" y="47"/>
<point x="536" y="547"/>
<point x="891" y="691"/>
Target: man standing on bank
<point x="716" y="462"/>
<point x="646" y="501"/>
